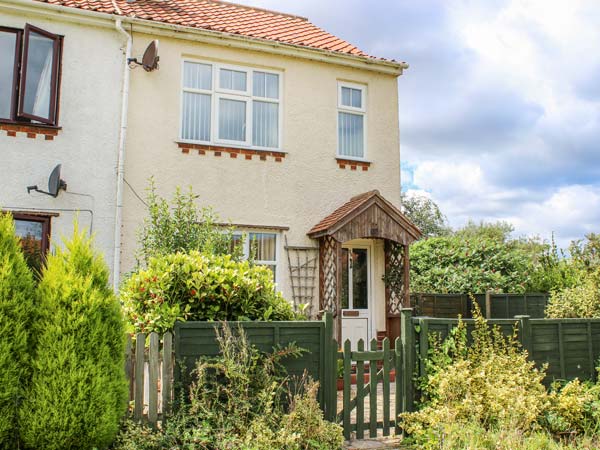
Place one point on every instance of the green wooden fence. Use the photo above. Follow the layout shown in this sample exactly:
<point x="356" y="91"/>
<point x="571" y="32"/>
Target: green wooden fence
<point x="194" y="340"/>
<point x="493" y="306"/>
<point x="570" y="347"/>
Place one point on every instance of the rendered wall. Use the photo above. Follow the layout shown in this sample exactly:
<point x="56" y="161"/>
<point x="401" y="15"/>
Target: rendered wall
<point x="86" y="146"/>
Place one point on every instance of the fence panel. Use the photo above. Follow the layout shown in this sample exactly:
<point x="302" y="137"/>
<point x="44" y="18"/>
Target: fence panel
<point x="195" y="340"/>
<point x="149" y="370"/>
<point x="493" y="306"/>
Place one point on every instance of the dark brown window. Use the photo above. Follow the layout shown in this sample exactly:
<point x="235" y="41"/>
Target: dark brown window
<point x="34" y="232"/>
<point x="29" y="75"/>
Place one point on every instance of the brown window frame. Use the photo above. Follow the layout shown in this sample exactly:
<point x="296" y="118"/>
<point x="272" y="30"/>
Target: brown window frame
<point x="20" y="76"/>
<point x="46" y="227"/>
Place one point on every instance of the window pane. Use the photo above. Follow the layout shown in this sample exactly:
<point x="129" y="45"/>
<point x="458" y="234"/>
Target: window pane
<point x="236" y="241"/>
<point x="31" y="236"/>
<point x="232" y="120"/>
<point x="265" y="124"/>
<point x="8" y="44"/>
<point x="263" y="246"/>
<point x="351" y="134"/>
<point x="266" y="85"/>
<point x="351" y="97"/>
<point x="38" y="85"/>
<point x="232" y="79"/>
<point x="195" y="119"/>
<point x="197" y="76"/>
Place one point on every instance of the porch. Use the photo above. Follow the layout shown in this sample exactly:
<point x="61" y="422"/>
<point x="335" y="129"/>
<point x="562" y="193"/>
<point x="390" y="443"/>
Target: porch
<point x="364" y="267"/>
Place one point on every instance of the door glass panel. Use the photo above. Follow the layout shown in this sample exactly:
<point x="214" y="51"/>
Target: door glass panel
<point x="345" y="278"/>
<point x="360" y="275"/>
<point x="8" y="45"/>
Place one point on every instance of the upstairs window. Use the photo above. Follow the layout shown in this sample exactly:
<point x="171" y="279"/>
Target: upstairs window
<point x="29" y="75"/>
<point x="351" y="121"/>
<point x="230" y="105"/>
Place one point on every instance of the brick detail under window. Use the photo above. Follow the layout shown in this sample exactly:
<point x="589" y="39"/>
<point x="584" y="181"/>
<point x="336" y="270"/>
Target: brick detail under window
<point x="353" y="165"/>
<point x="29" y="130"/>
<point x="218" y="150"/>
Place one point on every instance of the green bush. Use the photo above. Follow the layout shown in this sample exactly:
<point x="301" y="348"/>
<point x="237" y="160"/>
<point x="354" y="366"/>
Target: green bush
<point x="236" y="403"/>
<point x="581" y="301"/>
<point x="198" y="286"/>
<point x="78" y="392"/>
<point x="180" y="226"/>
<point x="489" y="383"/>
<point x="16" y="315"/>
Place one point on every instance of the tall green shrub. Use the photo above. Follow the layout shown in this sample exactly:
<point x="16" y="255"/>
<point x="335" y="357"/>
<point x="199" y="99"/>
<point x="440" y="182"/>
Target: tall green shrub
<point x="16" y="313"/>
<point x="78" y="392"/>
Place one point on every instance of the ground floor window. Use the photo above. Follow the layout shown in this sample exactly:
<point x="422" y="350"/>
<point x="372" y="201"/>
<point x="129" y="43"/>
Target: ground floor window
<point x="34" y="232"/>
<point x="260" y="247"/>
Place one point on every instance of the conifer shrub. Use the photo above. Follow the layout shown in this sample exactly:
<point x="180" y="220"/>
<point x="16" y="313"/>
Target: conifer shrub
<point x="78" y="392"/>
<point x="199" y="286"/>
<point x="16" y="315"/>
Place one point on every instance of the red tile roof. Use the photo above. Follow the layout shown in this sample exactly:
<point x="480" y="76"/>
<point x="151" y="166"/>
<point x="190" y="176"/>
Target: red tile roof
<point x="220" y="16"/>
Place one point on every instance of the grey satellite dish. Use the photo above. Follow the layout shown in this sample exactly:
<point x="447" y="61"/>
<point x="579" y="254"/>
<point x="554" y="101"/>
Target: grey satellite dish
<point x="55" y="184"/>
<point x="150" y="58"/>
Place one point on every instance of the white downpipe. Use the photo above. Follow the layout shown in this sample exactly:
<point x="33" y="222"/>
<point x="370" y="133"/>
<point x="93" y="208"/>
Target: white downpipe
<point x="121" y="157"/>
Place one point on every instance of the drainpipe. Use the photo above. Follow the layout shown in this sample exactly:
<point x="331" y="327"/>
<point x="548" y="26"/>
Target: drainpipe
<point x="121" y="156"/>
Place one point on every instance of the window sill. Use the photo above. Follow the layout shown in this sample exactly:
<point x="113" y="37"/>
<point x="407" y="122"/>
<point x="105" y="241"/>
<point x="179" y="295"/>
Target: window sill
<point x="234" y="152"/>
<point x="353" y="164"/>
<point x="30" y="129"/>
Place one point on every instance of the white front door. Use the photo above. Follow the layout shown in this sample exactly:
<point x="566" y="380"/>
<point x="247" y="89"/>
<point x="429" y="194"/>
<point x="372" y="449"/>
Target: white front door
<point x="356" y="295"/>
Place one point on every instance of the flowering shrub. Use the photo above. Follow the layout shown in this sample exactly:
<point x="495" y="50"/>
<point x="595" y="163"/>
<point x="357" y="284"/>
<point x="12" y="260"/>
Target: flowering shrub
<point x="196" y="286"/>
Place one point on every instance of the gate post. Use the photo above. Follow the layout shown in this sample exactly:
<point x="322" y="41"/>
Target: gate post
<point x="408" y="357"/>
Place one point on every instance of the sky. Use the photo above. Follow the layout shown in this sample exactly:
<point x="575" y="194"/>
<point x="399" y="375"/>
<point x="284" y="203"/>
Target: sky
<point x="499" y="109"/>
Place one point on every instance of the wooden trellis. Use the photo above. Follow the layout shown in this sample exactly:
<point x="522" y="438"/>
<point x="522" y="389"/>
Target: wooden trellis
<point x="303" y="265"/>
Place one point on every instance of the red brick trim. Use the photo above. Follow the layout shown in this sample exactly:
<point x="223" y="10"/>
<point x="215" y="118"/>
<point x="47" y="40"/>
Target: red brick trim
<point x="352" y="164"/>
<point x="232" y="151"/>
<point x="30" y="130"/>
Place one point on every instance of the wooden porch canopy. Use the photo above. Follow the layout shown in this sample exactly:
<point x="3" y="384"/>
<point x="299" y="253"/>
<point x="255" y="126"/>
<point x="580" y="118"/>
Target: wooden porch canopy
<point x="365" y="216"/>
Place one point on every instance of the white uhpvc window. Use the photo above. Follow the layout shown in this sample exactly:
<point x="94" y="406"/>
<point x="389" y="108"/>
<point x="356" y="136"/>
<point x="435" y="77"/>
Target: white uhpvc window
<point x="260" y="247"/>
<point x="352" y="121"/>
<point x="231" y="105"/>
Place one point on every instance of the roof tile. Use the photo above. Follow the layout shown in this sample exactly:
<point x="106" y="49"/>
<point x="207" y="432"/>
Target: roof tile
<point x="218" y="15"/>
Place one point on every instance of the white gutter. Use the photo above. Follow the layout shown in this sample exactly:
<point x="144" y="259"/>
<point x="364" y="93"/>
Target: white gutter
<point x="121" y="156"/>
<point x="83" y="16"/>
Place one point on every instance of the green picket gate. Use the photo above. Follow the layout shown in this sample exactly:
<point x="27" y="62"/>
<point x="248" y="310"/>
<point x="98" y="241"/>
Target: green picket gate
<point x="372" y="374"/>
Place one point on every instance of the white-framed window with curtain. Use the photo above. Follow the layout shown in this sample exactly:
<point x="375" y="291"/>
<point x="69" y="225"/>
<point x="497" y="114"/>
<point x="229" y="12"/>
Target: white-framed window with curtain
<point x="262" y="247"/>
<point x="230" y="105"/>
<point x="352" y="121"/>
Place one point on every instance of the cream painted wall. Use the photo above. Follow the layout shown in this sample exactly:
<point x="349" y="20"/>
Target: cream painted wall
<point x="297" y="192"/>
<point x="87" y="144"/>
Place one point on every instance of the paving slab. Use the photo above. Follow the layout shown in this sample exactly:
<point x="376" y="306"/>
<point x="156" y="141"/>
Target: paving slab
<point x="373" y="444"/>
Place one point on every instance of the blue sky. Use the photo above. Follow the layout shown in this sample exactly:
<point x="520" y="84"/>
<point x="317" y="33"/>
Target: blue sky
<point x="500" y="108"/>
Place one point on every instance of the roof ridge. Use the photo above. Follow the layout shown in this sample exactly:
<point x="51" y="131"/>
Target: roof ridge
<point x="256" y="8"/>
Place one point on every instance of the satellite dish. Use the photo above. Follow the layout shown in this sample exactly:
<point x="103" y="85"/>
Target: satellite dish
<point x="150" y="58"/>
<point x="55" y="184"/>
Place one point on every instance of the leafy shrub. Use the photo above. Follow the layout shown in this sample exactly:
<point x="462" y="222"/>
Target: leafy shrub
<point x="78" y="392"/>
<point x="578" y="301"/>
<point x="236" y="403"/>
<point x="455" y="264"/>
<point x="574" y="408"/>
<point x="16" y="315"/>
<point x="490" y="383"/>
<point x="198" y="286"/>
<point x="180" y="226"/>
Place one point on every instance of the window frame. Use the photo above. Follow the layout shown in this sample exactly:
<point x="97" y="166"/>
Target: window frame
<point x="248" y="96"/>
<point x="14" y="99"/>
<point x="362" y="111"/>
<point x="245" y="235"/>
<point x="20" y="77"/>
<point x="45" y="220"/>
